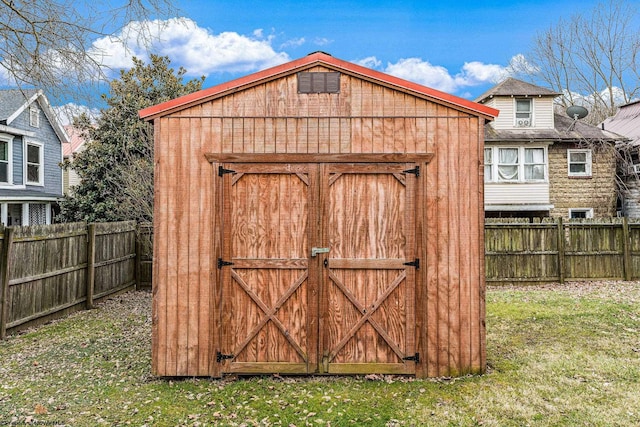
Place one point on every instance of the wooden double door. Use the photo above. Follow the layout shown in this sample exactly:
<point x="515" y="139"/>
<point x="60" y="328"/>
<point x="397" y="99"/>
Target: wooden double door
<point x="318" y="268"/>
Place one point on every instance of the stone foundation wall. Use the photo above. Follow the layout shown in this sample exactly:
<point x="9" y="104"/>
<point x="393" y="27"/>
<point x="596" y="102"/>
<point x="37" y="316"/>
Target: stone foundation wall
<point x="597" y="192"/>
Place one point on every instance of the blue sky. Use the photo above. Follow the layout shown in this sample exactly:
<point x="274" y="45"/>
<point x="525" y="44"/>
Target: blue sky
<point x="461" y="47"/>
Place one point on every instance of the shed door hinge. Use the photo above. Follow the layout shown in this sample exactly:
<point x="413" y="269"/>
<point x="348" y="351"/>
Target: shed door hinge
<point x="223" y="263"/>
<point x="415" y="358"/>
<point x="415" y="171"/>
<point x="222" y="171"/>
<point x="415" y="263"/>
<point x="222" y="357"/>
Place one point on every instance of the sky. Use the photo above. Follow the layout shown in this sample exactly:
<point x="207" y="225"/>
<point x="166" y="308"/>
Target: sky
<point x="462" y="47"/>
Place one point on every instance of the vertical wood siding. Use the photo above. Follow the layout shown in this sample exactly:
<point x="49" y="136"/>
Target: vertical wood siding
<point x="365" y="117"/>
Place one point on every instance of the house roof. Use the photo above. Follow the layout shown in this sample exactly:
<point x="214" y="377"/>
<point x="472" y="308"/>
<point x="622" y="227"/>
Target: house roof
<point x="14" y="101"/>
<point x="76" y="141"/>
<point x="626" y="122"/>
<point x="515" y="87"/>
<point x="311" y="60"/>
<point x="565" y="130"/>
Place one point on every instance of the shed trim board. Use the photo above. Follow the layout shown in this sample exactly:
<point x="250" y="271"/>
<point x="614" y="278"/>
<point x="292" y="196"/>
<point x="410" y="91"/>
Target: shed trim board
<point x="322" y="233"/>
<point x="319" y="158"/>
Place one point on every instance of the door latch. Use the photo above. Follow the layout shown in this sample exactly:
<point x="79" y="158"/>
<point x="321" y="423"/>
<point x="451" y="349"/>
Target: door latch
<point x="316" y="251"/>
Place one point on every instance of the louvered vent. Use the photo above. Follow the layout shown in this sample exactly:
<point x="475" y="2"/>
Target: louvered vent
<point x="328" y="82"/>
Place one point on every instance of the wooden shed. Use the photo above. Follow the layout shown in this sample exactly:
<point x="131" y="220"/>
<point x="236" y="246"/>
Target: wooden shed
<point x="318" y="217"/>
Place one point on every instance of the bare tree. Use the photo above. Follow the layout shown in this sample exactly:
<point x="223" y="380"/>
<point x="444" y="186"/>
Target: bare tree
<point x="592" y="58"/>
<point x="47" y="43"/>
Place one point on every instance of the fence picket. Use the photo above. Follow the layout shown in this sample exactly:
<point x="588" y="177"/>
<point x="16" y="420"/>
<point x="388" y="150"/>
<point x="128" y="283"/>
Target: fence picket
<point x="49" y="271"/>
<point x="582" y="250"/>
<point x="4" y="281"/>
<point x="91" y="260"/>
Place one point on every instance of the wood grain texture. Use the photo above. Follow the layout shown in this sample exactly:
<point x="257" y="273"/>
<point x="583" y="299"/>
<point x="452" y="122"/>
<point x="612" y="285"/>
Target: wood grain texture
<point x="283" y="145"/>
<point x="266" y="300"/>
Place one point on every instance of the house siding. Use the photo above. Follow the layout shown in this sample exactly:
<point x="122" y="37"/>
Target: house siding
<point x="516" y="194"/>
<point x="52" y="152"/>
<point x="597" y="192"/>
<point x="18" y="163"/>
<point x="542" y="112"/>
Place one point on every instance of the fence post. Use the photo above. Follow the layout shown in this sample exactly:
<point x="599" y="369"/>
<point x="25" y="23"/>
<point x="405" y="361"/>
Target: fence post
<point x="5" y="264"/>
<point x="626" y="241"/>
<point x="91" y="259"/>
<point x="138" y="257"/>
<point x="561" y="244"/>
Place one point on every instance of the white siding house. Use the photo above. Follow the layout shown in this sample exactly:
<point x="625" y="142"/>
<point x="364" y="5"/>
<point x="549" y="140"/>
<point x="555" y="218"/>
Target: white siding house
<point x="538" y="163"/>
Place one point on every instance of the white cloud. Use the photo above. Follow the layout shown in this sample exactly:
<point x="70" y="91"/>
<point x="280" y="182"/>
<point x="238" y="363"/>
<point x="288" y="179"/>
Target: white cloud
<point x="197" y="49"/>
<point x="423" y="72"/>
<point x="477" y="73"/>
<point x="5" y="78"/>
<point x="67" y="112"/>
<point x="369" y="62"/>
<point x="471" y="74"/>
<point x="603" y="97"/>
<point x="322" y="41"/>
<point x="293" y="43"/>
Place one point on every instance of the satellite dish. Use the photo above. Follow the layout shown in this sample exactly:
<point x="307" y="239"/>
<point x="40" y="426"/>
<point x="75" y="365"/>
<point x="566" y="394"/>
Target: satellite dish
<point x="576" y="112"/>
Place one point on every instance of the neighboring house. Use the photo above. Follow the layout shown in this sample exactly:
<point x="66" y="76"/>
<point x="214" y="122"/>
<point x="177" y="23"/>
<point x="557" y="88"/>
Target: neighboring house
<point x="30" y="154"/>
<point x="75" y="145"/>
<point x="539" y="163"/>
<point x="627" y="122"/>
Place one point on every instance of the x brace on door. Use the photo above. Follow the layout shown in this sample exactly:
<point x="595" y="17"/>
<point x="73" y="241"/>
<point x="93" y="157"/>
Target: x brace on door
<point x="367" y="315"/>
<point x="269" y="313"/>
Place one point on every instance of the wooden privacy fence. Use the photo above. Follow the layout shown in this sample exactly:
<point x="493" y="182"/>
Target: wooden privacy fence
<point x="555" y="250"/>
<point x="49" y="271"/>
<point x="519" y="251"/>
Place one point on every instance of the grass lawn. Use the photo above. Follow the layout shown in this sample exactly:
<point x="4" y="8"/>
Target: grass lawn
<point x="558" y="356"/>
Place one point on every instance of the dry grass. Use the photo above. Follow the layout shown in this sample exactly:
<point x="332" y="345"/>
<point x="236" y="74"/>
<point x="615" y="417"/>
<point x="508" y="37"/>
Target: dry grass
<point x="558" y="355"/>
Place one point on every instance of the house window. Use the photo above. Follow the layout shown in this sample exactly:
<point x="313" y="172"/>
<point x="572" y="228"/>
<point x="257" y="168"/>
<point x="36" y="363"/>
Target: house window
<point x="34" y="169"/>
<point x="515" y="164"/>
<point x="5" y="160"/>
<point x="524" y="112"/>
<point x="14" y="214"/>
<point x="534" y="164"/>
<point x="508" y="164"/>
<point x="488" y="165"/>
<point x="579" y="162"/>
<point x="34" y="117"/>
<point x="581" y="213"/>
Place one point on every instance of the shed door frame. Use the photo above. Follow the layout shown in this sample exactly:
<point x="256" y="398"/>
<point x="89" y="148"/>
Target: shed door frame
<point x="315" y="270"/>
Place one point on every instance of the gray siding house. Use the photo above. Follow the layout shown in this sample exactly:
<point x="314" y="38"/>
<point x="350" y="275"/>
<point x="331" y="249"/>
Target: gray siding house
<point x="31" y="141"/>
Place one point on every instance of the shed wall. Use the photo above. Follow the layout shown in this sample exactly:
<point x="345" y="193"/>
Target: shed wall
<point x="365" y="117"/>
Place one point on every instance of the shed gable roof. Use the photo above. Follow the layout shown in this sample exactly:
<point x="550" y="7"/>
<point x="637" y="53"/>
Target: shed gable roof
<point x="311" y="60"/>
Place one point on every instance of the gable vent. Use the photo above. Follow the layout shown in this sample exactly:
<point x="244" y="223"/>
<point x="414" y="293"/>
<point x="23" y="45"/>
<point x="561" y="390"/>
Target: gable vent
<point x="313" y="82"/>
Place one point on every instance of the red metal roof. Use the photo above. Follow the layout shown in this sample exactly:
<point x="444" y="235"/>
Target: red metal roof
<point x="306" y="62"/>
